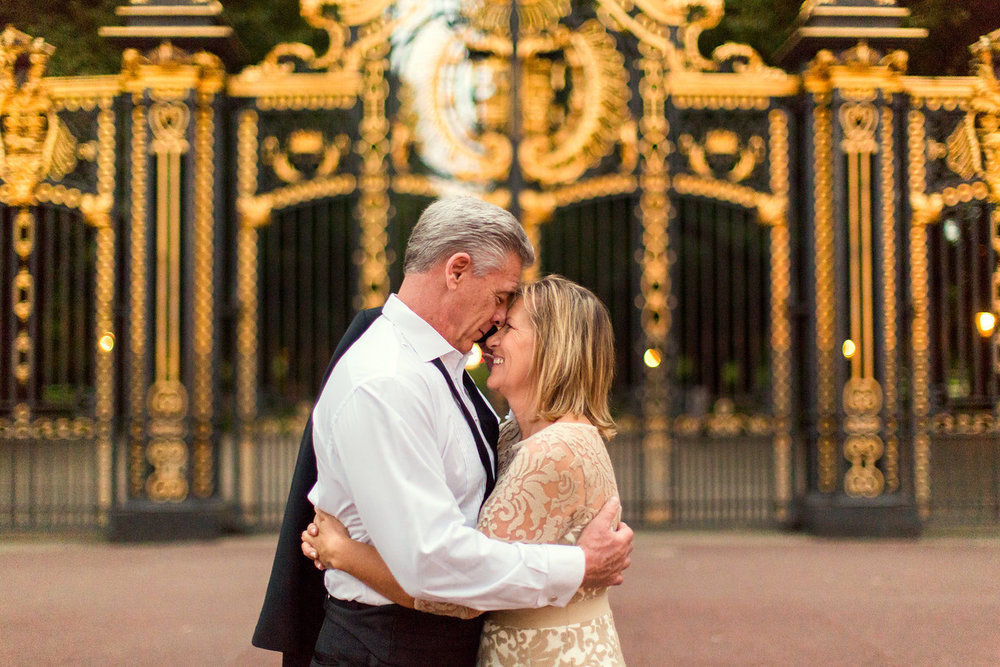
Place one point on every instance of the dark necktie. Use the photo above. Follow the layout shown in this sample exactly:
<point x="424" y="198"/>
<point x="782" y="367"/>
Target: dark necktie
<point x="486" y="419"/>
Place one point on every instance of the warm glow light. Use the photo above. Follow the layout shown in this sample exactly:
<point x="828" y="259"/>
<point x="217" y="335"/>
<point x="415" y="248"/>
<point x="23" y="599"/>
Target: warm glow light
<point x="107" y="342"/>
<point x="652" y="357"/>
<point x="475" y="357"/>
<point x="986" y="322"/>
<point x="849" y="348"/>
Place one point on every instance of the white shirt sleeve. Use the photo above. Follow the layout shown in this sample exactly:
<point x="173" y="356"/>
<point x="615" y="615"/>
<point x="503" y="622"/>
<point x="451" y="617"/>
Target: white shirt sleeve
<point x="388" y="447"/>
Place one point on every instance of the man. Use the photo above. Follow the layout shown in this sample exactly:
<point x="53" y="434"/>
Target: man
<point x="404" y="461"/>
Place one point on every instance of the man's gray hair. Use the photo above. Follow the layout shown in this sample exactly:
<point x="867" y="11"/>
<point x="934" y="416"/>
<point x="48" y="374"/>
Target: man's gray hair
<point x="486" y="232"/>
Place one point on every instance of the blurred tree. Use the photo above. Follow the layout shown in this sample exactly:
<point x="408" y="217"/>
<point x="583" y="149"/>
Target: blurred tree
<point x="72" y="25"/>
<point x="763" y="24"/>
<point x="953" y="25"/>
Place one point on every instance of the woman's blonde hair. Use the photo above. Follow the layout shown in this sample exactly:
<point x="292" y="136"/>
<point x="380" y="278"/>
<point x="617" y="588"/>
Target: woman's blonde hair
<point x="574" y="355"/>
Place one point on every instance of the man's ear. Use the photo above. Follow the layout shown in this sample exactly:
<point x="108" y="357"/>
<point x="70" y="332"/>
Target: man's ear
<point x="457" y="268"/>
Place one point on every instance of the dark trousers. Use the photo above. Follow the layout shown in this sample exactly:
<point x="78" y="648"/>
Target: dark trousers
<point x="357" y="634"/>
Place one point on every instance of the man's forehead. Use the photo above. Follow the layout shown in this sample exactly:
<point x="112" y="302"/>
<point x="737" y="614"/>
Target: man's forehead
<point x="508" y="277"/>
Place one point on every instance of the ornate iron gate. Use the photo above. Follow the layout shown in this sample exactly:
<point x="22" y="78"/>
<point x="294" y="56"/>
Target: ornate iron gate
<point x="792" y="258"/>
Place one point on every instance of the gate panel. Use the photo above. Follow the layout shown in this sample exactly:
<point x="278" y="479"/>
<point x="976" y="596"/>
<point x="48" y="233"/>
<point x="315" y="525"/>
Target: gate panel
<point x="49" y="478"/>
<point x="954" y="278"/>
<point x="306" y="284"/>
<point x="595" y="244"/>
<point x="722" y="456"/>
<point x="964" y="444"/>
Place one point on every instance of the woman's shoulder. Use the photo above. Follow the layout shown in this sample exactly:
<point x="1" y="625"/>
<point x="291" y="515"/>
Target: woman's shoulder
<point x="571" y="438"/>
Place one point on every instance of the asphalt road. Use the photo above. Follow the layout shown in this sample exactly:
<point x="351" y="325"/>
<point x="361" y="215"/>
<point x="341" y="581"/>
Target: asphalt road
<point x="689" y="599"/>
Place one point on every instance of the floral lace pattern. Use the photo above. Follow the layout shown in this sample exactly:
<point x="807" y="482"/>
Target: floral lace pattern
<point x="549" y="487"/>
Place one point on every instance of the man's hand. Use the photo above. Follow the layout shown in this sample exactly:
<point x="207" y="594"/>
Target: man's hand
<point x="606" y="550"/>
<point x="323" y="540"/>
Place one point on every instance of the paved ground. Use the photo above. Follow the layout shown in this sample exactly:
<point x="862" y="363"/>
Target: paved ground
<point x="689" y="599"/>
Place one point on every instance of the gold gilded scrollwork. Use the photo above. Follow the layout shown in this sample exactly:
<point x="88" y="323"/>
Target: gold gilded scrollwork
<point x="773" y="212"/>
<point x="863" y="447"/>
<point x="573" y="105"/>
<point x="373" y="208"/>
<point x="962" y="149"/>
<point x="984" y="108"/>
<point x="335" y="18"/>
<point x="889" y="299"/>
<point x="926" y="210"/>
<point x="862" y="82"/>
<point x="167" y="452"/>
<point x="654" y="211"/>
<point x="741" y="160"/>
<point x="673" y="27"/>
<point x="304" y="151"/>
<point x="824" y="285"/>
<point x="173" y="96"/>
<point x="589" y="126"/>
<point x="493" y="16"/>
<point x="34" y="143"/>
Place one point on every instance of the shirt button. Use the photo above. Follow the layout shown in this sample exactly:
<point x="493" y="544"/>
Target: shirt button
<point x="553" y="599"/>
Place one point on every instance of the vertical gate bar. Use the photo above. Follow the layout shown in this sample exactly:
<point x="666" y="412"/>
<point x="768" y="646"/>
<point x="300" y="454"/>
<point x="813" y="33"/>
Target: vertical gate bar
<point x="925" y="210"/>
<point x="50" y="355"/>
<point x="272" y="307"/>
<point x="33" y="386"/>
<point x="307" y="334"/>
<point x="688" y="290"/>
<point x="705" y="305"/>
<point x="373" y="205"/>
<point x="6" y="311"/>
<point x="947" y="268"/>
<point x="78" y="376"/>
<point x="867" y="271"/>
<point x="965" y="252"/>
<point x="737" y="278"/>
<point x="973" y="340"/>
<point x="604" y="252"/>
<point x="591" y="263"/>
<point x="322" y="301"/>
<point x="890" y="289"/>
<point x="757" y="325"/>
<point x="289" y="230"/>
<point x="342" y="241"/>
<point x="741" y="279"/>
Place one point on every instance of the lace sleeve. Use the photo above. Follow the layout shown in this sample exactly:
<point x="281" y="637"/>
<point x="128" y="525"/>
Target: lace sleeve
<point x="535" y="500"/>
<point x="538" y="496"/>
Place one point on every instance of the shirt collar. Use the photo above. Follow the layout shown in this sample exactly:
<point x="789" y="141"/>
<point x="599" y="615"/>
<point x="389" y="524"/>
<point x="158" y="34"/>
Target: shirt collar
<point x="425" y="340"/>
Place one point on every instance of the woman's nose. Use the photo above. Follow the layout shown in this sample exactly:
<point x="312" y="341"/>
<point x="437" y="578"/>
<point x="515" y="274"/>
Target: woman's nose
<point x="494" y="340"/>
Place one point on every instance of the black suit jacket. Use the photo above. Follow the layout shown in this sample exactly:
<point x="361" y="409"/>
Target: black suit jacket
<point x="292" y="614"/>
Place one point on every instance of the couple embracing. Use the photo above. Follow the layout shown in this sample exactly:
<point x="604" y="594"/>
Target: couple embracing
<point x="439" y="515"/>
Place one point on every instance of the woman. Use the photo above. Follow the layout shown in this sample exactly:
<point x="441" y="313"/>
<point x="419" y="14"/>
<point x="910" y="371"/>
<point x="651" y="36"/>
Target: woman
<point x="553" y="361"/>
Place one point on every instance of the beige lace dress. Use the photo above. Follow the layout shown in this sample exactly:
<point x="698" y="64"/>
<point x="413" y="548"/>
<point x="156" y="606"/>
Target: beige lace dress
<point x="549" y="487"/>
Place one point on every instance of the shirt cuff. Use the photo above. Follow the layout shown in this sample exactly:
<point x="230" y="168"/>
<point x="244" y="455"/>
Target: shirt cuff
<point x="566" y="569"/>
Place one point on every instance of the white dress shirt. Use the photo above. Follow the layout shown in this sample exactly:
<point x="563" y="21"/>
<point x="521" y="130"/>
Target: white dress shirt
<point x="399" y="467"/>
